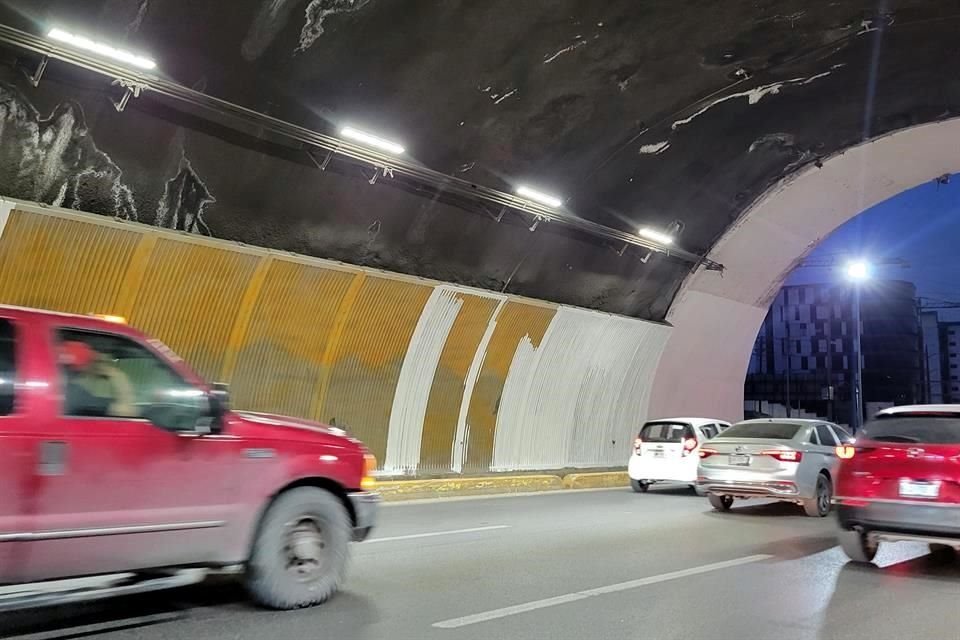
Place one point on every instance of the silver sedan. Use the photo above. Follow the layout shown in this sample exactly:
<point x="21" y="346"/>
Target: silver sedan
<point x="781" y="459"/>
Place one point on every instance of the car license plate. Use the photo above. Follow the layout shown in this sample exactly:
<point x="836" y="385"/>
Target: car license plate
<point x="740" y="459"/>
<point x="659" y="453"/>
<point x="912" y="489"/>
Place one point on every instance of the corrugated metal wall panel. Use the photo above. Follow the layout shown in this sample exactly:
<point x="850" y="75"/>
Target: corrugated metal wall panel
<point x="416" y="377"/>
<point x="190" y="297"/>
<point x="448" y="383"/>
<point x="565" y="403"/>
<point x="367" y="364"/>
<point x="469" y="381"/>
<point x="60" y="264"/>
<point x="280" y="361"/>
<point x="517" y="322"/>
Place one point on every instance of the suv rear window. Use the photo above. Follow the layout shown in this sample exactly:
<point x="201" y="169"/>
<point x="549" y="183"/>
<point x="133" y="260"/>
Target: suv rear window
<point x="8" y="369"/>
<point x="665" y="432"/>
<point x="762" y="431"/>
<point x="914" y="429"/>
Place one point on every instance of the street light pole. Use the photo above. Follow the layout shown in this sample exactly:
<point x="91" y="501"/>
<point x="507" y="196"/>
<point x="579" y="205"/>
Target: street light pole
<point x="856" y="415"/>
<point x="858" y="272"/>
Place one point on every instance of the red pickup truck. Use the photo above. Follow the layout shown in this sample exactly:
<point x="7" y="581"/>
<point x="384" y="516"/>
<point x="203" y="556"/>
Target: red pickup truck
<point x="118" y="461"/>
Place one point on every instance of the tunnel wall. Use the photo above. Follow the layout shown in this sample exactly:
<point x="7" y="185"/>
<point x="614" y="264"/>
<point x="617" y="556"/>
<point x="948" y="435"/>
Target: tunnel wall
<point x="716" y="319"/>
<point x="434" y="378"/>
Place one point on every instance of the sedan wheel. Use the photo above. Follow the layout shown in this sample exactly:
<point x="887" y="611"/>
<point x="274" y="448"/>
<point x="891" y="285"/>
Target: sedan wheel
<point x="819" y="506"/>
<point x="858" y="546"/>
<point x="720" y="503"/>
<point x="639" y="486"/>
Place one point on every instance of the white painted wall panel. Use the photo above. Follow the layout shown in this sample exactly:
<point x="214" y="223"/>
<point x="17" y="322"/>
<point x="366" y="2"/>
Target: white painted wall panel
<point x="577" y="399"/>
<point x="416" y="379"/>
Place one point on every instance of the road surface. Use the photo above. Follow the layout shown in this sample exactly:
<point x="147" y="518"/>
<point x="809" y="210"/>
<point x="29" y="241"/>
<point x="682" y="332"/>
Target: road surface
<point x="571" y="565"/>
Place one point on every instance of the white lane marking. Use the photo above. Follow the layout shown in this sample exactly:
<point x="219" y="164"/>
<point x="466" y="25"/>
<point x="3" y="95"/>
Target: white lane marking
<point x="456" y="623"/>
<point x="434" y="534"/>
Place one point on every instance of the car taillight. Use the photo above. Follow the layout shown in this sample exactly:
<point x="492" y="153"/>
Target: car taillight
<point x="846" y="452"/>
<point x="689" y="444"/>
<point x="636" y="445"/>
<point x="784" y="455"/>
<point x="367" y="482"/>
<point x="706" y="453"/>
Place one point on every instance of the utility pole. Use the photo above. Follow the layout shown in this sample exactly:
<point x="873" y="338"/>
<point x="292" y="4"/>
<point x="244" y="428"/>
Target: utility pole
<point x="856" y="410"/>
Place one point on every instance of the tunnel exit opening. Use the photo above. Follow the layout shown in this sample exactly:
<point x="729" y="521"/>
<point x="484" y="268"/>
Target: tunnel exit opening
<point x="717" y="320"/>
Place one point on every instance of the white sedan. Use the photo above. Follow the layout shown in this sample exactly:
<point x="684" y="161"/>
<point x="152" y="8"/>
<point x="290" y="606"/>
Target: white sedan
<point x="669" y="451"/>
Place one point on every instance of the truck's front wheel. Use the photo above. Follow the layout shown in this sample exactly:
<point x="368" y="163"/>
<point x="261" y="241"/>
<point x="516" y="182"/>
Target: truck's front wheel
<point x="299" y="557"/>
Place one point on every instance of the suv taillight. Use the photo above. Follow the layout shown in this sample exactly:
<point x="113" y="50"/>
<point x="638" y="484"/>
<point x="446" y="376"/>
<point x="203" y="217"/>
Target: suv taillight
<point x="689" y="444"/>
<point x="784" y="455"/>
<point x="637" y="442"/>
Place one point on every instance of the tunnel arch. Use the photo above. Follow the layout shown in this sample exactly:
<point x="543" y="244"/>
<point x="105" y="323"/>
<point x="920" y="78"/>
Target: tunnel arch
<point x="716" y="318"/>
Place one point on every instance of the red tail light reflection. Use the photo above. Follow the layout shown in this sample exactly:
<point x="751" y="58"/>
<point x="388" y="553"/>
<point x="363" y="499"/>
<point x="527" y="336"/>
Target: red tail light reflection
<point x="784" y="455"/>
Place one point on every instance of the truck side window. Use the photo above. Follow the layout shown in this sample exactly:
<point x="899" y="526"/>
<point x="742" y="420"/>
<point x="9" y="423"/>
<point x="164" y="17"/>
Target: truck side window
<point x="8" y="369"/>
<point x="111" y="376"/>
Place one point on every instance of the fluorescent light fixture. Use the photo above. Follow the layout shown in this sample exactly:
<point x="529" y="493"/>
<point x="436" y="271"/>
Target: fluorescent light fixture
<point x="372" y="141"/>
<point x="538" y="196"/>
<point x="858" y="270"/>
<point x="105" y="50"/>
<point x="657" y="236"/>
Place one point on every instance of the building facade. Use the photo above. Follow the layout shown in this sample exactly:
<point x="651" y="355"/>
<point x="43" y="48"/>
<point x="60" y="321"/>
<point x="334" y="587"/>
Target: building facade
<point x="803" y="355"/>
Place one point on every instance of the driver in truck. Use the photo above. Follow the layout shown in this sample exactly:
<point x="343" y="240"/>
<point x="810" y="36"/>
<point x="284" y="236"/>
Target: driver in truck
<point x="94" y="386"/>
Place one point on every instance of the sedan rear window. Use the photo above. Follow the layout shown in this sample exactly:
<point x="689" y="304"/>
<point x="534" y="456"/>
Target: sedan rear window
<point x="914" y="429"/>
<point x="762" y="431"/>
<point x="665" y="432"/>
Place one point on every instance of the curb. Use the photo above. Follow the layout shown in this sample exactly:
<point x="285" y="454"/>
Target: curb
<point x="401" y="490"/>
<point x="606" y="480"/>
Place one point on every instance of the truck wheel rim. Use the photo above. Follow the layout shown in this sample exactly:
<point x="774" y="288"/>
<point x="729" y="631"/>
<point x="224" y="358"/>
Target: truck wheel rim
<point x="305" y="549"/>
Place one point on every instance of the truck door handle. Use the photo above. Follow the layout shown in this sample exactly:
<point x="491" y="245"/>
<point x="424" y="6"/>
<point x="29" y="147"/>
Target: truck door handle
<point x="53" y="458"/>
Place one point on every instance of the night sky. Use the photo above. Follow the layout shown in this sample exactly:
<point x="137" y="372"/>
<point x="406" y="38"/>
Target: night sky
<point x="920" y="226"/>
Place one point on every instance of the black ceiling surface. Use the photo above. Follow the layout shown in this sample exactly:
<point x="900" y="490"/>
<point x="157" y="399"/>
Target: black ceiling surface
<point x="638" y="112"/>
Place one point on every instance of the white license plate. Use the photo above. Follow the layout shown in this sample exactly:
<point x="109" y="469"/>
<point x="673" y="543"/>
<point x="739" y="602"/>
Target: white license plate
<point x="659" y="453"/>
<point x="912" y="489"/>
<point x="740" y="459"/>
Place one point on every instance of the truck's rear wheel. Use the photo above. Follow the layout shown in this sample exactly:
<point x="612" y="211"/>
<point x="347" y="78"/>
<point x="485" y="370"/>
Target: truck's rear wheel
<point x="299" y="557"/>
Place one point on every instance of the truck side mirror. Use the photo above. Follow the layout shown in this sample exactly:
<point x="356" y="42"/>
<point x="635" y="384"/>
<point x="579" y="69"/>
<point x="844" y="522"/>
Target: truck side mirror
<point x="219" y="400"/>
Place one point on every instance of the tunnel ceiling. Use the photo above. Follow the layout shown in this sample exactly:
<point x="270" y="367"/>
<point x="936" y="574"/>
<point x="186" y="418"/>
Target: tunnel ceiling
<point x="639" y="113"/>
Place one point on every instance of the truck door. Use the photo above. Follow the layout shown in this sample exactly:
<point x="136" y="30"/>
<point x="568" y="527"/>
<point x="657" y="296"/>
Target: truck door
<point x="124" y="479"/>
<point x="14" y="451"/>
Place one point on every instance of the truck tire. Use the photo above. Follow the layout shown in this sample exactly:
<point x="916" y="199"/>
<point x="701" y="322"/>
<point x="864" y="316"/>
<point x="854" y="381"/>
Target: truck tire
<point x="300" y="553"/>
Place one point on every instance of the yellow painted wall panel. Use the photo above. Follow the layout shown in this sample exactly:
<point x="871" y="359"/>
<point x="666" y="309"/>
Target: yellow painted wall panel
<point x="446" y="392"/>
<point x="190" y="297"/>
<point x="280" y="359"/>
<point x="367" y="363"/>
<point x="62" y="264"/>
<point x="516" y="321"/>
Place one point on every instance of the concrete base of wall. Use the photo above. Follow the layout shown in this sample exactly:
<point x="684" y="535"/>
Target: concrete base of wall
<point x="401" y="490"/>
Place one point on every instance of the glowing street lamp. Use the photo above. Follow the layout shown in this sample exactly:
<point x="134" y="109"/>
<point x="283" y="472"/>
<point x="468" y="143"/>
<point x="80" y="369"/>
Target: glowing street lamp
<point x="858" y="270"/>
